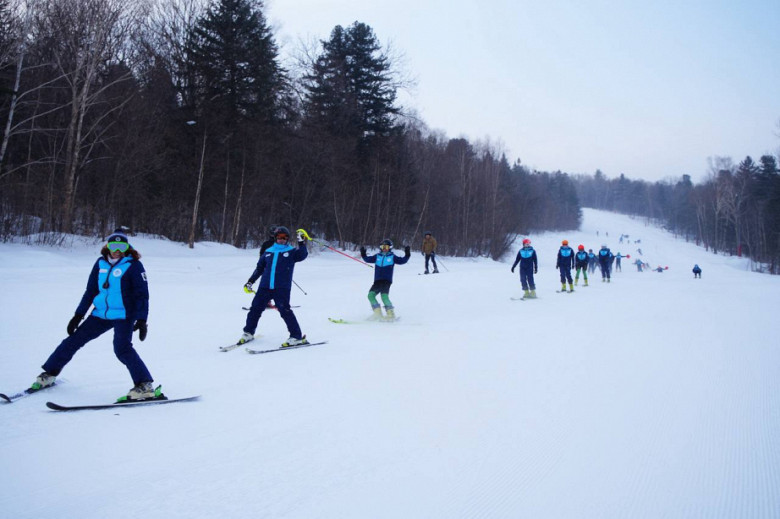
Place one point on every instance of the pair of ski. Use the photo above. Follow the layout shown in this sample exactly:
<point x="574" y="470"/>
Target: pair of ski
<point x="377" y="321"/>
<point x="162" y="399"/>
<point x="231" y="347"/>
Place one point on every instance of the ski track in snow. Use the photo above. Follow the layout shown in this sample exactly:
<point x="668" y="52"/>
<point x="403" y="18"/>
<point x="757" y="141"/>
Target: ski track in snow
<point x="653" y="396"/>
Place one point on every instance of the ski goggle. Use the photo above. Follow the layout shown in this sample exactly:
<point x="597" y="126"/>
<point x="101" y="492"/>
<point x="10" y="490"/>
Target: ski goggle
<point x="282" y="236"/>
<point x="384" y="247"/>
<point x="120" y="246"/>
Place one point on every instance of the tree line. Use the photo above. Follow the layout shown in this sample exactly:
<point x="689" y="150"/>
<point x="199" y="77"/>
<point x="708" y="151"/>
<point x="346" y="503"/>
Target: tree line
<point x="735" y="210"/>
<point x="179" y="118"/>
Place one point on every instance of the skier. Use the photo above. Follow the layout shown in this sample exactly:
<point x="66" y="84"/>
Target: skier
<point x="564" y="263"/>
<point x="592" y="260"/>
<point x="276" y="266"/>
<point x="385" y="262"/>
<point x="529" y="266"/>
<point x="605" y="262"/>
<point x="118" y="290"/>
<point x="696" y="272"/>
<point x="429" y="251"/>
<point x="581" y="264"/>
<point x="618" y="257"/>
<point x="639" y="265"/>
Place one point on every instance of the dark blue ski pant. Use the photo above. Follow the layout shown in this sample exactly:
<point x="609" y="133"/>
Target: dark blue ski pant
<point x="281" y="299"/>
<point x="527" y="278"/>
<point x="93" y="328"/>
<point x="565" y="275"/>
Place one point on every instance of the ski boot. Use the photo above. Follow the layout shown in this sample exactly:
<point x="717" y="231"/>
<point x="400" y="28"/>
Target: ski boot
<point x="142" y="391"/>
<point x="377" y="315"/>
<point x="43" y="380"/>
<point x="586" y="282"/>
<point x="533" y="294"/>
<point x="245" y="338"/>
<point x="292" y="341"/>
<point x="571" y="288"/>
<point x="526" y="294"/>
<point x="426" y="272"/>
<point x="435" y="271"/>
<point x="390" y="317"/>
<point x="563" y="287"/>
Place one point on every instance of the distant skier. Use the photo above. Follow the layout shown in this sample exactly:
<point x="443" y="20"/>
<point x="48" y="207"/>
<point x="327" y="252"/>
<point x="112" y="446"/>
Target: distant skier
<point x="565" y="263"/>
<point x="581" y="264"/>
<point x="659" y="268"/>
<point x="696" y="272"/>
<point x="638" y="264"/>
<point x="276" y="267"/>
<point x="618" y="257"/>
<point x="529" y="266"/>
<point x="118" y="291"/>
<point x="592" y="261"/>
<point x="429" y="251"/>
<point x="385" y="263"/>
<point x="605" y="262"/>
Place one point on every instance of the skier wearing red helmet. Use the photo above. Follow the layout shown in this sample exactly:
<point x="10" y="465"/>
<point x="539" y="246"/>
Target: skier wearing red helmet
<point x="528" y="267"/>
<point x="581" y="264"/>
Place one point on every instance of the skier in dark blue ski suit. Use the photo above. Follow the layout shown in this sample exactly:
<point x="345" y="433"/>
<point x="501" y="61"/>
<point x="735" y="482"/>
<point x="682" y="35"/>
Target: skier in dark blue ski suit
<point x="276" y="267"/>
<point x="605" y="262"/>
<point x="696" y="271"/>
<point x="529" y="265"/>
<point x="385" y="263"/>
<point x="118" y="290"/>
<point x="564" y="263"/>
<point x="581" y="264"/>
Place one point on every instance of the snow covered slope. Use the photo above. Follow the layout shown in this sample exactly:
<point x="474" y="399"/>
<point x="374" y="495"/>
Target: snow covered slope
<point x="656" y="395"/>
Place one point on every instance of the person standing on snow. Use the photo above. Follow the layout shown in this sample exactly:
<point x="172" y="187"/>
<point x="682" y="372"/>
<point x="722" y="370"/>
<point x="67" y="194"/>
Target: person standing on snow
<point x="618" y="257"/>
<point x="565" y="263"/>
<point x="276" y="267"/>
<point x="605" y="262"/>
<point x="529" y="265"/>
<point x="385" y="263"/>
<point x="592" y="260"/>
<point x="118" y="290"/>
<point x="581" y="264"/>
<point x="696" y="272"/>
<point x="429" y="251"/>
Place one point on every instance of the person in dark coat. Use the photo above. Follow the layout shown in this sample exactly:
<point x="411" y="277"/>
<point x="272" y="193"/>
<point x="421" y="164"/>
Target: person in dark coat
<point x="385" y="262"/>
<point x="565" y="263"/>
<point x="118" y="292"/>
<point x="276" y="267"/>
<point x="605" y="262"/>
<point x="581" y="264"/>
<point x="592" y="261"/>
<point x="696" y="272"/>
<point x="529" y="265"/>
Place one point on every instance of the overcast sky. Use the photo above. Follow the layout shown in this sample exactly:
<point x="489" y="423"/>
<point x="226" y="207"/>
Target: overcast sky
<point x="649" y="89"/>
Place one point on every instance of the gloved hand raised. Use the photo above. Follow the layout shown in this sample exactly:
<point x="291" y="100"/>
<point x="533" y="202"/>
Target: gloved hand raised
<point x="407" y="251"/>
<point x="536" y="271"/>
<point x="73" y="324"/>
<point x="248" y="287"/>
<point x="362" y="251"/>
<point x="140" y="325"/>
<point x="513" y="269"/>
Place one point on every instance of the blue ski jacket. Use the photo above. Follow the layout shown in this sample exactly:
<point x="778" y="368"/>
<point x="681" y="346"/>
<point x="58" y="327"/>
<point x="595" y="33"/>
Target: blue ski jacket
<point x="385" y="263"/>
<point x="605" y="257"/>
<point x="117" y="291"/>
<point x="276" y="265"/>
<point x="581" y="260"/>
<point x="527" y="259"/>
<point x="565" y="258"/>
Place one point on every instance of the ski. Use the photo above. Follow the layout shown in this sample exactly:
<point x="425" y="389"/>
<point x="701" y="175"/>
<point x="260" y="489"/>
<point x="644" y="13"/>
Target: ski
<point x="231" y="347"/>
<point x="269" y="308"/>
<point x="27" y="392"/>
<point x="564" y="291"/>
<point x="378" y="321"/>
<point x="517" y="298"/>
<point x="258" y="352"/>
<point x="164" y="400"/>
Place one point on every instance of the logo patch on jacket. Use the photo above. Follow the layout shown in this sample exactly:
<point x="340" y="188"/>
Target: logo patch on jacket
<point x="117" y="273"/>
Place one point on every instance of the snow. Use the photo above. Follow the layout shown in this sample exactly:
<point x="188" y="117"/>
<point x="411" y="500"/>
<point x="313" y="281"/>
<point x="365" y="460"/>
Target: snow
<point x="653" y="396"/>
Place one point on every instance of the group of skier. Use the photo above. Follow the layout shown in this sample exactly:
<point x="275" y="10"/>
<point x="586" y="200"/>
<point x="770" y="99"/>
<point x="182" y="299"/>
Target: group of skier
<point x="567" y="260"/>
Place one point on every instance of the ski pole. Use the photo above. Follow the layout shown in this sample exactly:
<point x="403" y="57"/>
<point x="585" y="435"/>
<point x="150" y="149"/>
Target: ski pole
<point x="442" y="263"/>
<point x="335" y="250"/>
<point x="299" y="288"/>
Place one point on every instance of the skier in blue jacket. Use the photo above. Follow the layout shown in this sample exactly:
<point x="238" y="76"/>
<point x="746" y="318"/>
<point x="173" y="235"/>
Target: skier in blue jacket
<point x="385" y="262"/>
<point x="581" y="264"/>
<point x="605" y="262"/>
<point x="276" y="267"/>
<point x="564" y="263"/>
<point x="118" y="291"/>
<point x="529" y="265"/>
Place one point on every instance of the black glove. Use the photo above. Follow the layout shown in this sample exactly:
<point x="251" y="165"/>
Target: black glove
<point x="407" y="251"/>
<point x="513" y="269"/>
<point x="73" y="324"/>
<point x="362" y="251"/>
<point x="140" y="325"/>
<point x="535" y="271"/>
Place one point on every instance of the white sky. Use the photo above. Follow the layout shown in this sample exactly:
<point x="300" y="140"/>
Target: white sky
<point x="649" y="89"/>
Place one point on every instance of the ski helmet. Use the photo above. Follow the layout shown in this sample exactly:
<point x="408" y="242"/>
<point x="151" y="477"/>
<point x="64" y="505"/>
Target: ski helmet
<point x="526" y="241"/>
<point x="580" y="247"/>
<point x="428" y="233"/>
<point x="282" y="231"/>
<point x="272" y="230"/>
<point x="565" y="242"/>
<point x="386" y="242"/>
<point x="604" y="246"/>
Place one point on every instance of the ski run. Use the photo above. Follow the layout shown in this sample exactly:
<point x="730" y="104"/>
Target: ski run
<point x="654" y="395"/>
